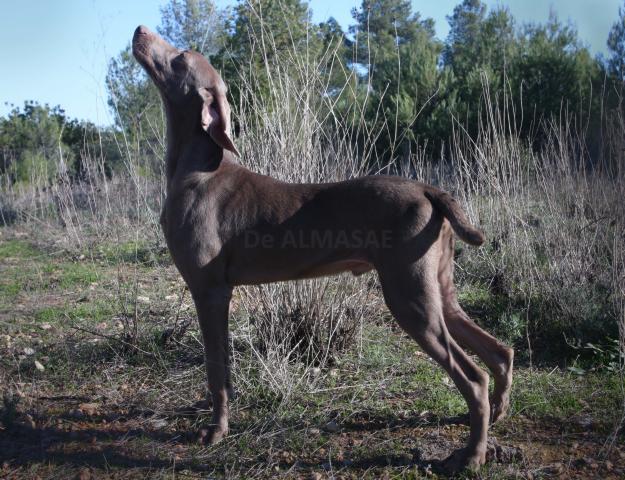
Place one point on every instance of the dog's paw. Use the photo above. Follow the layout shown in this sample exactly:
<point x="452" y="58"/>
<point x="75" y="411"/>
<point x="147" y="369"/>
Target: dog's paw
<point x="211" y="435"/>
<point x="463" y="459"/>
<point x="499" y="404"/>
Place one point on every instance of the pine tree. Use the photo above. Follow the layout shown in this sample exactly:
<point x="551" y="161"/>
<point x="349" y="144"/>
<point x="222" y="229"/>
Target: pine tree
<point x="616" y="46"/>
<point x="192" y="24"/>
<point x="398" y="54"/>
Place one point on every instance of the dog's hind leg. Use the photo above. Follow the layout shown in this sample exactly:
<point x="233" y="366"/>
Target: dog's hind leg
<point x="413" y="297"/>
<point x="495" y="355"/>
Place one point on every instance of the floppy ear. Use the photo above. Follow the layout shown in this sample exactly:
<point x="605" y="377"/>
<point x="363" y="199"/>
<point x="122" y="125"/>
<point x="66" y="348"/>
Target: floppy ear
<point x="216" y="120"/>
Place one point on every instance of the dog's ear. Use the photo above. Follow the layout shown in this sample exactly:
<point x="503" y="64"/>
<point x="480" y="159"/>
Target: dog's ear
<point x="216" y="118"/>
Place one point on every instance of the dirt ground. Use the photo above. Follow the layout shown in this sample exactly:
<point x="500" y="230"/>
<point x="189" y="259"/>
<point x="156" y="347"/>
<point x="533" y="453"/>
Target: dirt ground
<point x="67" y="437"/>
<point x="80" y="399"/>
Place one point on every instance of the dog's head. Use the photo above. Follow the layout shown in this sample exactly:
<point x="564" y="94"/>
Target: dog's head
<point x="188" y="84"/>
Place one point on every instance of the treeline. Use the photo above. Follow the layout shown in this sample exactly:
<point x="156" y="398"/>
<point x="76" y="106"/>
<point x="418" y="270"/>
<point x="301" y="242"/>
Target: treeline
<point x="415" y="90"/>
<point x="39" y="143"/>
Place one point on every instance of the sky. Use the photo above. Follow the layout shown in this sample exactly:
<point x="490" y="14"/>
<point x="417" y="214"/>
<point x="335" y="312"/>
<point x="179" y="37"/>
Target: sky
<point x="56" y="51"/>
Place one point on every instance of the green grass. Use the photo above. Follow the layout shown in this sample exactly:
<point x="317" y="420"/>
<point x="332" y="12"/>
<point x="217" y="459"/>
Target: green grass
<point x="562" y="395"/>
<point x="90" y="313"/>
<point x="133" y="252"/>
<point x="14" y="255"/>
<point x="9" y="289"/>
<point x="33" y="271"/>
<point x="49" y="276"/>
<point x="17" y="249"/>
<point x="76" y="275"/>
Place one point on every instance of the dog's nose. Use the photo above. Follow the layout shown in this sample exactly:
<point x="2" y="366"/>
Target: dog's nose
<point x="142" y="30"/>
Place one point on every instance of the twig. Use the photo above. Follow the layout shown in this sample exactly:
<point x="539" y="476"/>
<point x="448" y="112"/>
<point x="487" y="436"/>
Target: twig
<point x="111" y="337"/>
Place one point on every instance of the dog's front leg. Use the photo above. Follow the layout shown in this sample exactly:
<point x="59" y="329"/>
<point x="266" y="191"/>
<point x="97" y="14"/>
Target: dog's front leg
<point x="212" y="306"/>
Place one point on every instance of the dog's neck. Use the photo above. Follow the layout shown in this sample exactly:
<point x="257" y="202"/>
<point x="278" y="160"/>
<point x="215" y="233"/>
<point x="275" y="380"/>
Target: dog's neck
<point x="184" y="135"/>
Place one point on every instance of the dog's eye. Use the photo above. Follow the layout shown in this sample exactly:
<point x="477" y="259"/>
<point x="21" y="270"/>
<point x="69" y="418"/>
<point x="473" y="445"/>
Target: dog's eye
<point x="178" y="63"/>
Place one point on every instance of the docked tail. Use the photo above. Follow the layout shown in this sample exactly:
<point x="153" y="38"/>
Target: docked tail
<point x="448" y="206"/>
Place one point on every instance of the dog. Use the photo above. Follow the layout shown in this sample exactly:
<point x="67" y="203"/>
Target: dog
<point x="227" y="226"/>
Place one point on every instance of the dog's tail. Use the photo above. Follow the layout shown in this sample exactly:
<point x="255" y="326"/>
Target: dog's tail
<point x="448" y="206"/>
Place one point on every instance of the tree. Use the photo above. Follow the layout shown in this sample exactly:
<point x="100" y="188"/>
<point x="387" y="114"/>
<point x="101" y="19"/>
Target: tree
<point x="334" y="50"/>
<point x="480" y="50"/>
<point x="192" y="24"/>
<point x="39" y="141"/>
<point x="382" y="26"/>
<point x="267" y="28"/>
<point x="555" y="75"/>
<point x="616" y="46"/>
<point x="398" y="55"/>
<point x="132" y="97"/>
<point x="479" y="39"/>
<point x="137" y="110"/>
<point x="87" y="142"/>
<point x="31" y="142"/>
<point x="412" y="86"/>
<point x="262" y="35"/>
<point x="463" y="48"/>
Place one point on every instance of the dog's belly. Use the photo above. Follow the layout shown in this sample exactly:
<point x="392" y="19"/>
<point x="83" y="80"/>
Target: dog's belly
<point x="357" y="267"/>
<point x="283" y="270"/>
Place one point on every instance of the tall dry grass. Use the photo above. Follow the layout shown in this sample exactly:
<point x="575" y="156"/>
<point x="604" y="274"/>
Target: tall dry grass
<point x="555" y="223"/>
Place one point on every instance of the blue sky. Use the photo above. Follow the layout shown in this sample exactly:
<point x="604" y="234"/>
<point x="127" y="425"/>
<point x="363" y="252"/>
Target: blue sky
<point x="56" y="51"/>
